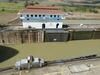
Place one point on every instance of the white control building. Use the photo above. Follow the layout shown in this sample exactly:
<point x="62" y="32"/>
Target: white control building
<point x="42" y="17"/>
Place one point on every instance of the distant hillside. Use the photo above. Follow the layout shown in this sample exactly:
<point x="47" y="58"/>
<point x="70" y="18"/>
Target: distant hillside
<point x="21" y="0"/>
<point x="43" y="0"/>
<point x="56" y="1"/>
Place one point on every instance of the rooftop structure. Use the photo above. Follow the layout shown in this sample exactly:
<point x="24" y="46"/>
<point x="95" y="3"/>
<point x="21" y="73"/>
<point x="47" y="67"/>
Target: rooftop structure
<point x="42" y="17"/>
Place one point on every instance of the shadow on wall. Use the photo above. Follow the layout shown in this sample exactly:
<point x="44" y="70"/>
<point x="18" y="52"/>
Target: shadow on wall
<point x="6" y="53"/>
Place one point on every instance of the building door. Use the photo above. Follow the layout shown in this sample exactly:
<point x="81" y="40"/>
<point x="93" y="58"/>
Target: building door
<point x="43" y="26"/>
<point x="57" y="25"/>
<point x="29" y="27"/>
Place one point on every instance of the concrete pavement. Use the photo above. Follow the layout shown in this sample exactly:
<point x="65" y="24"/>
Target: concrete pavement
<point x="81" y="67"/>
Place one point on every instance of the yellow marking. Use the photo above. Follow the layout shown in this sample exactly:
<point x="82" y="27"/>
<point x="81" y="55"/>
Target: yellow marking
<point x="95" y="67"/>
<point x="26" y="71"/>
<point x="55" y="72"/>
<point x="20" y="73"/>
<point x="46" y="74"/>
<point x="62" y="70"/>
<point x="30" y="30"/>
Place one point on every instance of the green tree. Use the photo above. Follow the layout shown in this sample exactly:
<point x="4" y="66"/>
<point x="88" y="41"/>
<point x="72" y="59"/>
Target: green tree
<point x="26" y="3"/>
<point x="36" y="2"/>
<point x="90" y="10"/>
<point x="95" y="11"/>
<point x="3" y="9"/>
<point x="32" y="3"/>
<point x="71" y="10"/>
<point x="10" y="1"/>
<point x="64" y="9"/>
<point x="53" y="5"/>
<point x="16" y="1"/>
<point x="83" y="9"/>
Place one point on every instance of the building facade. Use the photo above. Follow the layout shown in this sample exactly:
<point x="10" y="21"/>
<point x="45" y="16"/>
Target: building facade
<point x="41" y="17"/>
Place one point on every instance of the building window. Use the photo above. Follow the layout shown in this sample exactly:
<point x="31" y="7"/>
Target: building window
<point x="31" y="15"/>
<point x="27" y="15"/>
<point x="20" y="15"/>
<point x="35" y="15"/>
<point x="27" y="19"/>
<point x="39" y="15"/>
<point x="43" y="15"/>
<point x="50" y="15"/>
<point x="58" y="15"/>
<point x="21" y="20"/>
<point x="54" y="15"/>
<point x="29" y="27"/>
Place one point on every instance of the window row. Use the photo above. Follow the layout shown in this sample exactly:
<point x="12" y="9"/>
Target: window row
<point x="29" y="19"/>
<point x="42" y="15"/>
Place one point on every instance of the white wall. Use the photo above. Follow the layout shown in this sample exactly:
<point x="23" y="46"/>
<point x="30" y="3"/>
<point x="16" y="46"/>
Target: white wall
<point x="38" y="25"/>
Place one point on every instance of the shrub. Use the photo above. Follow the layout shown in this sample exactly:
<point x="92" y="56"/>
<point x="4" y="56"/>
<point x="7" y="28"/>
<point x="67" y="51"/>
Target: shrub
<point x="3" y="9"/>
<point x="53" y="5"/>
<point x="90" y="10"/>
<point x="71" y="10"/>
<point x="32" y="3"/>
<point x="36" y="2"/>
<point x="26" y="3"/>
<point x="10" y="1"/>
<point x="64" y="9"/>
<point x="16" y="1"/>
<point x="95" y="11"/>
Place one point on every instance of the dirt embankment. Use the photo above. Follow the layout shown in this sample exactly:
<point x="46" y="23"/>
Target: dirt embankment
<point x="9" y="19"/>
<point x="83" y="15"/>
<point x="88" y="15"/>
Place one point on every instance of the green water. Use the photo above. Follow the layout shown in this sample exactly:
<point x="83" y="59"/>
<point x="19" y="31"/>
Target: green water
<point x="54" y="50"/>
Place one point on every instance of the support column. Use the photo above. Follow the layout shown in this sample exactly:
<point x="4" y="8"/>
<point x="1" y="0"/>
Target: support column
<point x="93" y="36"/>
<point x="71" y="34"/>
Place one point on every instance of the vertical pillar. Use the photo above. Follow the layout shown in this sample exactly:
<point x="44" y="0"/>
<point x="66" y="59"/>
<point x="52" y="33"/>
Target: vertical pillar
<point x="42" y="36"/>
<point x="93" y="36"/>
<point x="71" y="34"/>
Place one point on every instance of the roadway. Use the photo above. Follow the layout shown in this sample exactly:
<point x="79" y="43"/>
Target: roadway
<point x="71" y="23"/>
<point x="82" y="22"/>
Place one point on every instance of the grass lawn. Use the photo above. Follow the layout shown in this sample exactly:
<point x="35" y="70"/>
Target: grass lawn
<point x="10" y="7"/>
<point x="49" y="51"/>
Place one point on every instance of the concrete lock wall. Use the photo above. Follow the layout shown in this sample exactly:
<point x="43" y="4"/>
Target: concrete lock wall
<point x="64" y="36"/>
<point x="15" y="37"/>
<point x="56" y="36"/>
<point x="30" y="36"/>
<point x="82" y="35"/>
<point x="96" y="35"/>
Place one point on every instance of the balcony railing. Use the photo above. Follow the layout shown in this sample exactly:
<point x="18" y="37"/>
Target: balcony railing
<point x="42" y="18"/>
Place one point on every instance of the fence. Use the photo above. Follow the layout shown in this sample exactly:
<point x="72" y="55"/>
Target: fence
<point x="14" y="37"/>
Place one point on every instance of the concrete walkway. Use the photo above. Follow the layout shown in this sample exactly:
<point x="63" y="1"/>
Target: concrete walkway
<point x="82" y="67"/>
